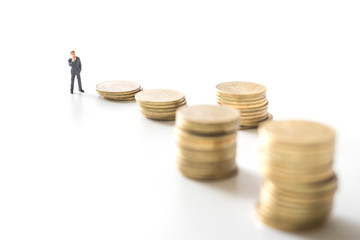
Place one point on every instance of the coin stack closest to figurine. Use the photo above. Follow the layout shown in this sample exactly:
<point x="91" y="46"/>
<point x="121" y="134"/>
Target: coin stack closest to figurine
<point x="299" y="186"/>
<point x="118" y="90"/>
<point x="248" y="98"/>
<point x="206" y="140"/>
<point x="160" y="104"/>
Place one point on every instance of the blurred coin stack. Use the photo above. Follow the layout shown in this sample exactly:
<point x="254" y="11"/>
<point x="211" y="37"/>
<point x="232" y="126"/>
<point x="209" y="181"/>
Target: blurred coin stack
<point x="160" y="104"/>
<point x="248" y="98"/>
<point x="206" y="141"/>
<point x="118" y="90"/>
<point x="299" y="186"/>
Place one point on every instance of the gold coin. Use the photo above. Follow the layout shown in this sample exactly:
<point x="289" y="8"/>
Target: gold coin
<point x="302" y="153"/>
<point x="253" y="107"/>
<point x="285" y="224"/>
<point x="252" y="110"/>
<point x="296" y="167"/>
<point x="208" y="114"/>
<point x="296" y="219"/>
<point x="159" y="97"/>
<point x="285" y="147"/>
<point x="281" y="148"/>
<point x="207" y="119"/>
<point x="206" y="129"/>
<point x="254" y="114"/>
<point x="302" y="195"/>
<point x="201" y="158"/>
<point x="158" y="106"/>
<point x="292" y="207"/>
<point x="105" y="94"/>
<point x="295" y="214"/>
<point x="297" y="132"/>
<point x="251" y="120"/>
<point x="120" y="98"/>
<point x="164" y="110"/>
<point x="203" y="162"/>
<point x="296" y="160"/>
<point x="170" y="109"/>
<point x="292" y="210"/>
<point x="302" y="207"/>
<point x="241" y="89"/>
<point x="216" y="166"/>
<point x="158" y="114"/>
<point x="242" y="103"/>
<point x="252" y="124"/>
<point x="124" y="87"/>
<point x="220" y="96"/>
<point x="249" y="125"/>
<point x="295" y="171"/>
<point x="304" y="178"/>
<point x="246" y="127"/>
<point x="328" y="185"/>
<point x="270" y="117"/>
<point x="292" y="215"/>
<point x="295" y="201"/>
<point x="208" y="176"/>
<point x="206" y="140"/>
<point x="162" y="104"/>
<point x="191" y="138"/>
<point x="206" y="143"/>
<point x="206" y="171"/>
<point x="207" y="156"/>
<point x="160" y="118"/>
<point x="205" y="147"/>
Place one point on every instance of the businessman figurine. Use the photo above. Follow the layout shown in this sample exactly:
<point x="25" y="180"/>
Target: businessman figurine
<point x="75" y="65"/>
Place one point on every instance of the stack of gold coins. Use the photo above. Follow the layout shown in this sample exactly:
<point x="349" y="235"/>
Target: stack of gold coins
<point x="160" y="104"/>
<point x="247" y="97"/>
<point x="118" y="90"/>
<point x="299" y="186"/>
<point x="206" y="140"/>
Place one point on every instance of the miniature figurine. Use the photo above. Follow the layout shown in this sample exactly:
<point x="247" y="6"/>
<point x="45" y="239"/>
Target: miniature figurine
<point x="75" y="64"/>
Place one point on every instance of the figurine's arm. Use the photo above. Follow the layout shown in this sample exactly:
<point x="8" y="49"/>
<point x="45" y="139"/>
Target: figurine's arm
<point x="80" y="64"/>
<point x="70" y="61"/>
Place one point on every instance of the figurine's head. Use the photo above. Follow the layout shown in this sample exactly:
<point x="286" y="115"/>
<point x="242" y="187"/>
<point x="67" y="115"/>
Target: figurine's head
<point x="72" y="53"/>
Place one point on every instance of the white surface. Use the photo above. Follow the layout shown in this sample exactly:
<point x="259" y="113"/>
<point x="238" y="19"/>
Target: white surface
<point x="80" y="167"/>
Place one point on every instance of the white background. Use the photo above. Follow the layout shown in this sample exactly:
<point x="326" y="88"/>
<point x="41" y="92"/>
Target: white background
<point x="80" y="167"/>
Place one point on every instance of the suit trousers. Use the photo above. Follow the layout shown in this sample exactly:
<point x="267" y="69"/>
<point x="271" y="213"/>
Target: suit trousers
<point x="73" y="79"/>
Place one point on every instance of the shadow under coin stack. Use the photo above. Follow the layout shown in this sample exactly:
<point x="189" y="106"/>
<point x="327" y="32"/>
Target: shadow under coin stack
<point x="206" y="140"/>
<point x="118" y="90"/>
<point x="248" y="98"/>
<point x="299" y="186"/>
<point x="160" y="104"/>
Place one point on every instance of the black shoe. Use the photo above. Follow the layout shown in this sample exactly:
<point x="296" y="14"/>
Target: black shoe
<point x="71" y="92"/>
<point x="81" y="90"/>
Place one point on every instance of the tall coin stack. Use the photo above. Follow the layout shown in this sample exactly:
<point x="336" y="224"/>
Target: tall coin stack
<point x="206" y="141"/>
<point x="160" y="104"/>
<point x="118" y="90"/>
<point x="248" y="98"/>
<point x="299" y="186"/>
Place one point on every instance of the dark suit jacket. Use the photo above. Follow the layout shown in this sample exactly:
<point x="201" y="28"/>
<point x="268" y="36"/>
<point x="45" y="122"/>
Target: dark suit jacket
<point x="75" y="66"/>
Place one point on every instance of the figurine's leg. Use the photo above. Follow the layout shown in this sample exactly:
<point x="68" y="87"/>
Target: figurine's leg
<point x="79" y="81"/>
<point x="72" y="83"/>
